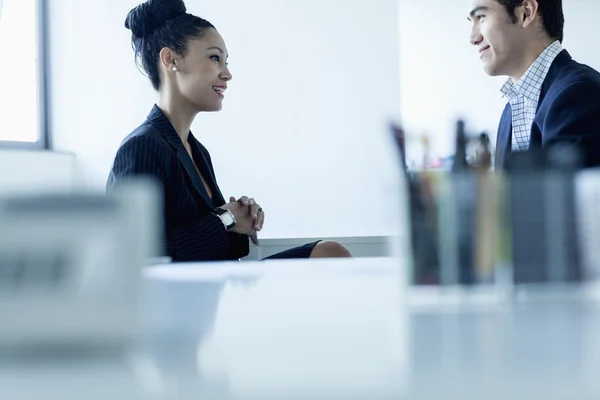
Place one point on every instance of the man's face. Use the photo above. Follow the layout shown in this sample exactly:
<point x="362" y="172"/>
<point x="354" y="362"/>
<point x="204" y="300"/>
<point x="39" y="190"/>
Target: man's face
<point x="498" y="40"/>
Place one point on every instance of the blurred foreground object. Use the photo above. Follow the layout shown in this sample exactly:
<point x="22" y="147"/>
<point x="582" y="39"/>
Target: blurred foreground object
<point x="483" y="155"/>
<point x="70" y="272"/>
<point x="70" y="265"/>
<point x="531" y="223"/>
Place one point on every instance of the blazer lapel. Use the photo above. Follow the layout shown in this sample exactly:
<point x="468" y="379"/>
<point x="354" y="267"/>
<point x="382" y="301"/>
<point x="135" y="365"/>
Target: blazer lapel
<point x="561" y="59"/>
<point x="503" y="142"/>
<point x="206" y="169"/>
<point x="535" y="137"/>
<point x="160" y="121"/>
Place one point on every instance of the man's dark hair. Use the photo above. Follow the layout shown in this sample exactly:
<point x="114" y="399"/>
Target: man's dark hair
<point x="551" y="12"/>
<point x="162" y="23"/>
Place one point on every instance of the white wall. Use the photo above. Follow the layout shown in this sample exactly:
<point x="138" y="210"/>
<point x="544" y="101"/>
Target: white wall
<point x="26" y="172"/>
<point x="304" y="123"/>
<point x="442" y="77"/>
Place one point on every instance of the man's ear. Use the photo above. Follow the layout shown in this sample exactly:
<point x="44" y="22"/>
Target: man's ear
<point x="529" y="12"/>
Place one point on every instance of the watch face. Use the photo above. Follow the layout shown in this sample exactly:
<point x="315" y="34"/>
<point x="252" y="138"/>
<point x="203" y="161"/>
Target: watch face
<point x="227" y="219"/>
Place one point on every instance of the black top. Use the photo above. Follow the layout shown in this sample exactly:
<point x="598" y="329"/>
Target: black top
<point x="191" y="230"/>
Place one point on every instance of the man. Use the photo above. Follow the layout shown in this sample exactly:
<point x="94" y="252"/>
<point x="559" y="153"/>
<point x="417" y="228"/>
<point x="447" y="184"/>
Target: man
<point x="551" y="98"/>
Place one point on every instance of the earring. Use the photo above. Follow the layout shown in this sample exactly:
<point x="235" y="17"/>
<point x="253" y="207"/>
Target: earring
<point x="174" y="69"/>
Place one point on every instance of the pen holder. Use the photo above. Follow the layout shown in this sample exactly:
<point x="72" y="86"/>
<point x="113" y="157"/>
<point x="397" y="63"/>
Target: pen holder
<point x="534" y="221"/>
<point x="530" y="223"/>
<point x="456" y="226"/>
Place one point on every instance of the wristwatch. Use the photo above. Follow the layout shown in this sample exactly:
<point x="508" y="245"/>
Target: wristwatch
<point x="226" y="217"/>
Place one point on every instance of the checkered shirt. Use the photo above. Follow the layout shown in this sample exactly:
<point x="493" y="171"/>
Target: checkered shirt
<point x="523" y="96"/>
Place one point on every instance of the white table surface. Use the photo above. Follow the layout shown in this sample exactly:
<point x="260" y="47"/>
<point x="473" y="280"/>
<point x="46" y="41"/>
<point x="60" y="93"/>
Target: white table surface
<point x="351" y="329"/>
<point x="280" y="329"/>
<point x="344" y="329"/>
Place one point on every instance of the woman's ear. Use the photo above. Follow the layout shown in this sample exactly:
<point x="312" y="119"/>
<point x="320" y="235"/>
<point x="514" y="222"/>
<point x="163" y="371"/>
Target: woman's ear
<point x="168" y="58"/>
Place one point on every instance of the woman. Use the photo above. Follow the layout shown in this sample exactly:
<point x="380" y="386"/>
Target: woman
<point x="186" y="60"/>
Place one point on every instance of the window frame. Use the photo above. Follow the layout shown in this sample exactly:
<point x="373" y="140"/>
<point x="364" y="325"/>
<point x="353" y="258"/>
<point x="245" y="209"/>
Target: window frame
<point x="43" y="94"/>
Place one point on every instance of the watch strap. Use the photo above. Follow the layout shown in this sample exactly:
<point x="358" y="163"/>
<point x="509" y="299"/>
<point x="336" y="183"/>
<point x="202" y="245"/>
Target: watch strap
<point x="226" y="217"/>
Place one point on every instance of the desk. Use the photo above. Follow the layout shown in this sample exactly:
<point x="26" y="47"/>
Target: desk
<point x="278" y="329"/>
<point x="260" y="330"/>
<point x="350" y="329"/>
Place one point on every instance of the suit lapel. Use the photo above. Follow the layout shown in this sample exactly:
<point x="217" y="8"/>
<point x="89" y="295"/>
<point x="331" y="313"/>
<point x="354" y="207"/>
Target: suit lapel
<point x="203" y="164"/>
<point x="561" y="59"/>
<point x="160" y="121"/>
<point x="535" y="137"/>
<point x="503" y="142"/>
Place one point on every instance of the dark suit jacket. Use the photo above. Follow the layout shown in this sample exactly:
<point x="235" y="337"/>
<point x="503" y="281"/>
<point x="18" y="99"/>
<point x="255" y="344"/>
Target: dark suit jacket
<point x="191" y="231"/>
<point x="568" y="112"/>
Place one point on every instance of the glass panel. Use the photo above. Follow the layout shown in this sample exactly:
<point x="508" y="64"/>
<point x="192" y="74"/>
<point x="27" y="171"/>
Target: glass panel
<point x="19" y="116"/>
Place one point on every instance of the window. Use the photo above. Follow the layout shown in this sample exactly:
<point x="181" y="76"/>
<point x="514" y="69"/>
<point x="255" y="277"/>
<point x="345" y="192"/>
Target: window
<point x="22" y="73"/>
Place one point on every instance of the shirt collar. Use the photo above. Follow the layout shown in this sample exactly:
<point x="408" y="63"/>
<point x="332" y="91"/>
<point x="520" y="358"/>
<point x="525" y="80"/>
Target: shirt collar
<point x="530" y="84"/>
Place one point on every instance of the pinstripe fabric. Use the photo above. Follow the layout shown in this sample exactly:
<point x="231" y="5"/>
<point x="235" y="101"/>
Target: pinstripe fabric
<point x="192" y="232"/>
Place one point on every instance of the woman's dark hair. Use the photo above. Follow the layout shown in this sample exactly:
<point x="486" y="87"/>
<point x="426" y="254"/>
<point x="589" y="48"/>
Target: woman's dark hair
<point x="156" y="24"/>
<point x="551" y="12"/>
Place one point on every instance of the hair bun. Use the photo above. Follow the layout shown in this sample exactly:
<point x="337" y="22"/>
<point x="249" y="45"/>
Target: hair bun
<point x="151" y="15"/>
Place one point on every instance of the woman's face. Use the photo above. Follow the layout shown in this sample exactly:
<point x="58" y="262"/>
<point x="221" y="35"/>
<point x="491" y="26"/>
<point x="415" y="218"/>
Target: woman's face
<point x="202" y="75"/>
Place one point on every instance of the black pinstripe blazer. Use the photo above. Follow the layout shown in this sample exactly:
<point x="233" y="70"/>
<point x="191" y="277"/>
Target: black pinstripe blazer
<point x="192" y="232"/>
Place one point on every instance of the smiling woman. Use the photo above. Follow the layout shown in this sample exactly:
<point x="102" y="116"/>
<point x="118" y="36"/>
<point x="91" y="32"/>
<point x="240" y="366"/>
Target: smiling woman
<point x="21" y="105"/>
<point x="185" y="59"/>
